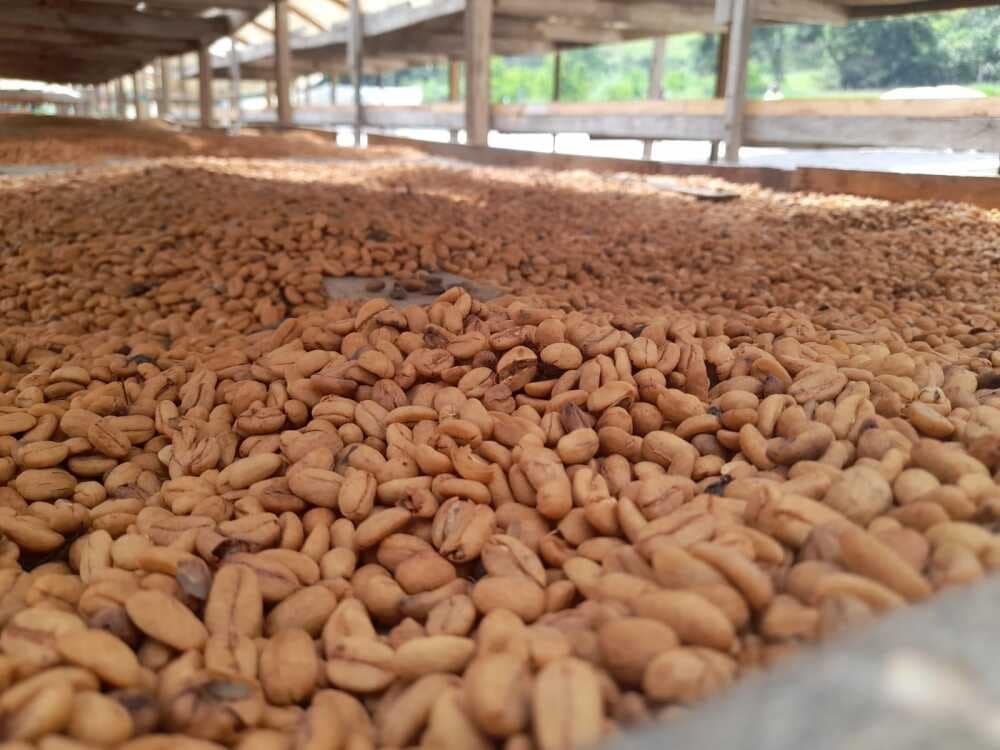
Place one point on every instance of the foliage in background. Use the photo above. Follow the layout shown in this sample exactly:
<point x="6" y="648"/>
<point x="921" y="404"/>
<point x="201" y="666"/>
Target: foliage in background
<point x="863" y="57"/>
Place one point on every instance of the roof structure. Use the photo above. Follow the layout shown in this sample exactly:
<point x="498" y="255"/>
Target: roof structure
<point x="92" y="41"/>
<point x="402" y="33"/>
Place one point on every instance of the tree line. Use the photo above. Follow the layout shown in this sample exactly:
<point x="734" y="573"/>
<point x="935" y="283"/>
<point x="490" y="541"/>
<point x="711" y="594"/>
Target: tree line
<point x="961" y="47"/>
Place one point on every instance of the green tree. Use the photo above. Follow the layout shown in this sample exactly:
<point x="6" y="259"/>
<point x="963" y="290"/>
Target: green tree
<point x="882" y="54"/>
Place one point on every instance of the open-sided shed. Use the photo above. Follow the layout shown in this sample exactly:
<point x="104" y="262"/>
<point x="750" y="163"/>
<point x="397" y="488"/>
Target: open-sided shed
<point x="91" y="41"/>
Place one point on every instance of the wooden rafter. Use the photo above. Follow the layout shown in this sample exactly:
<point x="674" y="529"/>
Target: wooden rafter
<point x="308" y="18"/>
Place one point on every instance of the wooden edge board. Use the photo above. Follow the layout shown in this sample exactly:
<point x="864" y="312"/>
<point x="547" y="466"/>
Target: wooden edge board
<point x="979" y="191"/>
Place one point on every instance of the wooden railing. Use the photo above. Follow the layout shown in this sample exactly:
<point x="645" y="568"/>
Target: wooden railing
<point x="972" y="124"/>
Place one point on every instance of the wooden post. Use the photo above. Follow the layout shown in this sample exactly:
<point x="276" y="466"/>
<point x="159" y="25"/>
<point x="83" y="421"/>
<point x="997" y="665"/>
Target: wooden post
<point x="736" y="77"/>
<point x="283" y="63"/>
<point x="121" y="110"/>
<point x="137" y="101"/>
<point x="721" y="63"/>
<point x="163" y="101"/>
<point x="557" y="76"/>
<point x="454" y="90"/>
<point x="478" y="43"/>
<point x="269" y="94"/>
<point x="655" y="90"/>
<point x="556" y="88"/>
<point x="355" y="44"/>
<point x="235" y="114"/>
<point x="182" y="84"/>
<point x="206" y="100"/>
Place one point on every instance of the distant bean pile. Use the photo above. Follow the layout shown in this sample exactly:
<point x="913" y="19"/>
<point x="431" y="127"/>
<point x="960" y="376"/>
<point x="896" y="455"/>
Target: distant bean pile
<point x="697" y="438"/>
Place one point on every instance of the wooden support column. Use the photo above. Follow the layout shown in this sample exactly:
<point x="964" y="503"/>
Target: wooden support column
<point x="740" y="29"/>
<point x="235" y="112"/>
<point x="655" y="90"/>
<point x="556" y="87"/>
<point x="478" y="44"/>
<point x="557" y="76"/>
<point x="163" y="93"/>
<point x="454" y="91"/>
<point x="269" y="94"/>
<point x="721" y="64"/>
<point x="121" y="111"/>
<point x="182" y="84"/>
<point x="283" y="63"/>
<point x="138" y="95"/>
<point x="206" y="99"/>
<point x="355" y="51"/>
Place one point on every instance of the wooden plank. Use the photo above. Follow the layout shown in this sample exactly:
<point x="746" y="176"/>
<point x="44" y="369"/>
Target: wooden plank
<point x="355" y="52"/>
<point x="504" y="157"/>
<point x="944" y="108"/>
<point x="206" y="100"/>
<point x="283" y="62"/>
<point x="405" y="16"/>
<point x="979" y="191"/>
<point x="34" y="97"/>
<point x="988" y="107"/>
<point x="741" y="26"/>
<point x="478" y="43"/>
<point x="973" y="133"/>
<point x="549" y="119"/>
<point x="801" y="11"/>
<point x="652" y="17"/>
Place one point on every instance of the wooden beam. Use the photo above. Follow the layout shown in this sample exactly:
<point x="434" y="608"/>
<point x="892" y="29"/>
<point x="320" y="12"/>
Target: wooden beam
<point x="283" y="63"/>
<point x="93" y="17"/>
<point x="801" y="11"/>
<point x="736" y="77"/>
<point x="206" y="100"/>
<point x="880" y="10"/>
<point x="478" y="41"/>
<point x="83" y="42"/>
<point x="651" y="16"/>
<point x="355" y="52"/>
<point x="163" y="99"/>
<point x="189" y="5"/>
<point x="655" y="89"/>
<point x="315" y="23"/>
